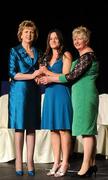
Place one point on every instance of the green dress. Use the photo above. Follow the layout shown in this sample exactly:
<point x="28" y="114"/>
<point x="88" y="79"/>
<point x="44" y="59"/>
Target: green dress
<point x="84" y="95"/>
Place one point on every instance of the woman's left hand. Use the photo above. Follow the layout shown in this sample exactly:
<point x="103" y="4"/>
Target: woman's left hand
<point x="45" y="80"/>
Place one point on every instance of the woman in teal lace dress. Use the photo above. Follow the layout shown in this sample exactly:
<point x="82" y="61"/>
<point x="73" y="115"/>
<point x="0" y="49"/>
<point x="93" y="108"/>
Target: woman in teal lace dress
<point x="84" y="96"/>
<point x="24" y="94"/>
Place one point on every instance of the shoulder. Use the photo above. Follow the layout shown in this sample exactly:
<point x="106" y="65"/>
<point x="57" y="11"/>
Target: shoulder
<point x="90" y="54"/>
<point x="16" y="48"/>
<point x="18" y="51"/>
<point x="89" y="57"/>
<point x="67" y="55"/>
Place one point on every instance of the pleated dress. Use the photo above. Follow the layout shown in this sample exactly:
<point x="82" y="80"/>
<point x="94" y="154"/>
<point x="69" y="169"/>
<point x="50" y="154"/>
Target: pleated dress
<point x="24" y="95"/>
<point x="57" y="107"/>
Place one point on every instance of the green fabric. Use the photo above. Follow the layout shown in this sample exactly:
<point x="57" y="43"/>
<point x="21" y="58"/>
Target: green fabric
<point x="62" y="78"/>
<point x="84" y="97"/>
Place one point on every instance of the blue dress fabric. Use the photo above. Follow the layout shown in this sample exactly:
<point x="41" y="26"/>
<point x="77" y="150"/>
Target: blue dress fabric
<point x="57" y="107"/>
<point x="24" y="95"/>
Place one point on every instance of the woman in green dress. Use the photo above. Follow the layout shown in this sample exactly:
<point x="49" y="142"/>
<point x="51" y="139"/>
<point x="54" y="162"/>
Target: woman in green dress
<point x="84" y="95"/>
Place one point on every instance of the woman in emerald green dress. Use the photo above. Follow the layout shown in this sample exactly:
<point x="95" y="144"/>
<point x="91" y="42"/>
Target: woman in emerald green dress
<point x="83" y="75"/>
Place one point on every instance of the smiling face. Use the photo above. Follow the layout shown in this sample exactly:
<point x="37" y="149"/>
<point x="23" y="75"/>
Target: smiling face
<point x="79" y="41"/>
<point x="81" y="37"/>
<point x="54" y="41"/>
<point x="28" y="35"/>
<point x="27" y="30"/>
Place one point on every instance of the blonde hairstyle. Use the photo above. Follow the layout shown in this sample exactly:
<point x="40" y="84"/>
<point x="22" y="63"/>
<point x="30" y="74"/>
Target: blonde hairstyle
<point x="85" y="33"/>
<point x="24" y="24"/>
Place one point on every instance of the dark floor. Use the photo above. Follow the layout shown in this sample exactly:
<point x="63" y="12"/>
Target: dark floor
<point x="7" y="171"/>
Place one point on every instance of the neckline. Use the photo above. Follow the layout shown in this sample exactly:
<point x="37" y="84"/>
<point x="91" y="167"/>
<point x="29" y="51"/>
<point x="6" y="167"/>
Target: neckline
<point x="55" y="62"/>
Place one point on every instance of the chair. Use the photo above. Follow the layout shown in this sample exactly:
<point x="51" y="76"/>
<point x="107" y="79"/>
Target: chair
<point x="102" y="122"/>
<point x="7" y="149"/>
<point x="43" y="150"/>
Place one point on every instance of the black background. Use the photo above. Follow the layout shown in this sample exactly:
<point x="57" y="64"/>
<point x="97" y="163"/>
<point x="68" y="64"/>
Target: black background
<point x="62" y="16"/>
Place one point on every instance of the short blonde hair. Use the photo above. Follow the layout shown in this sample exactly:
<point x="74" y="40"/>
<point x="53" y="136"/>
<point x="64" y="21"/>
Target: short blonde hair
<point x="27" y="23"/>
<point x="84" y="31"/>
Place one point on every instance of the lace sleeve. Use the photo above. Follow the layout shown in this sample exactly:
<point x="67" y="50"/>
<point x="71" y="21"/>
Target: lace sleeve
<point x="84" y="62"/>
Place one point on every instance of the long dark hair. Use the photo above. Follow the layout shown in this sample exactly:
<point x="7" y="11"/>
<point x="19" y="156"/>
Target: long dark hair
<point x="48" y="51"/>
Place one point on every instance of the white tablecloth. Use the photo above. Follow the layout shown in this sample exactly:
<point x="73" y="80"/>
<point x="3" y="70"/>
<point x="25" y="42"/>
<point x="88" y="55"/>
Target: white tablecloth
<point x="103" y="110"/>
<point x="43" y="150"/>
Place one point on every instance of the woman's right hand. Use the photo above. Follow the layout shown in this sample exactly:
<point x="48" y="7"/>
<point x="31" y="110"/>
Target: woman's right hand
<point x="43" y="69"/>
<point x="37" y="80"/>
<point x="35" y="73"/>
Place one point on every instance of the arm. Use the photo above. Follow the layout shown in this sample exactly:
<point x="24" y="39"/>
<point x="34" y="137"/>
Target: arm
<point x="12" y="63"/>
<point x="67" y="61"/>
<point x="53" y="77"/>
<point x="21" y="76"/>
<point x="45" y="71"/>
<point x="49" y="79"/>
<point x="84" y="63"/>
<point x="13" y="74"/>
<point x="81" y="67"/>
